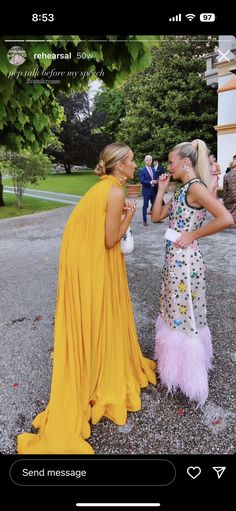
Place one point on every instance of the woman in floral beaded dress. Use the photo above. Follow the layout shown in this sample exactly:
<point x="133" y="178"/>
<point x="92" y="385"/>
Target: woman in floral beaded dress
<point x="183" y="339"/>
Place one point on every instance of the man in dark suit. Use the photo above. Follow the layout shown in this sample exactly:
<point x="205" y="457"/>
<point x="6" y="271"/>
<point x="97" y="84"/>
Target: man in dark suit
<point x="158" y="171"/>
<point x="158" y="168"/>
<point x="148" y="178"/>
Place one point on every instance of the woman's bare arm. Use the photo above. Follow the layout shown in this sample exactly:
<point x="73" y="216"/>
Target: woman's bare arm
<point x="115" y="228"/>
<point x="160" y="212"/>
<point x="222" y="217"/>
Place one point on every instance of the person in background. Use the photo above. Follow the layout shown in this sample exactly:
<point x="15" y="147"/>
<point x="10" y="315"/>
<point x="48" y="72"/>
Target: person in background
<point x="183" y="339"/>
<point x="148" y="179"/>
<point x="98" y="366"/>
<point x="159" y="170"/>
<point x="229" y="190"/>
<point x="229" y="168"/>
<point x="215" y="172"/>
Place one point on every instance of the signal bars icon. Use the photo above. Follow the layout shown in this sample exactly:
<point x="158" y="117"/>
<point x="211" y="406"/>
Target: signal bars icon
<point x="176" y="18"/>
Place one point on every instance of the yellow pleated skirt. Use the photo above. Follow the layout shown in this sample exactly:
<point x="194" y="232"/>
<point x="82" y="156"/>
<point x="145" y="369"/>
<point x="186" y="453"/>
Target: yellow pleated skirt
<point x="98" y="366"/>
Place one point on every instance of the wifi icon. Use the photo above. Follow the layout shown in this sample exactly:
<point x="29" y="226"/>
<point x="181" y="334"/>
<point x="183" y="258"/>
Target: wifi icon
<point x="190" y="17"/>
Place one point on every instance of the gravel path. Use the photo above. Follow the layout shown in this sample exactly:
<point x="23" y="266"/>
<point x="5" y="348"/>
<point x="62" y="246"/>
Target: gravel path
<point x="29" y="249"/>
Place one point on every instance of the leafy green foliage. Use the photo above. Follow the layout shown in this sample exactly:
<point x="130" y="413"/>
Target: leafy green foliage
<point x="109" y="109"/>
<point x="169" y="102"/>
<point x="29" y="110"/>
<point x="80" y="142"/>
<point x="25" y="168"/>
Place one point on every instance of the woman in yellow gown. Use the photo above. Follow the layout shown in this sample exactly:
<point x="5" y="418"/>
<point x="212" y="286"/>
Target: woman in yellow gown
<point x="98" y="367"/>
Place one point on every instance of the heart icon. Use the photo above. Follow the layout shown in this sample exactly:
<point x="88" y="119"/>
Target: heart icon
<point x="193" y="472"/>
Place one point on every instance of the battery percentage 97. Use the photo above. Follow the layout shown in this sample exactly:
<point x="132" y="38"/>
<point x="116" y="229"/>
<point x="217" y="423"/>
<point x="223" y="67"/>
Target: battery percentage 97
<point x="207" y="16"/>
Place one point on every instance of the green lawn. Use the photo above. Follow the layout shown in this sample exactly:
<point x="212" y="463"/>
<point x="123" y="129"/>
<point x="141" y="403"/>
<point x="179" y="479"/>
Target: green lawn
<point x="29" y="206"/>
<point x="75" y="184"/>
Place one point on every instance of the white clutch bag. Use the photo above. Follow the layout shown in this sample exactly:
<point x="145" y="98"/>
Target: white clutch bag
<point x="172" y="235"/>
<point x="127" y="242"/>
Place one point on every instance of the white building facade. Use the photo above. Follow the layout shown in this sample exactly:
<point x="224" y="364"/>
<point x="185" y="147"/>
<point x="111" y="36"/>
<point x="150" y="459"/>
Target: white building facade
<point x="221" y="73"/>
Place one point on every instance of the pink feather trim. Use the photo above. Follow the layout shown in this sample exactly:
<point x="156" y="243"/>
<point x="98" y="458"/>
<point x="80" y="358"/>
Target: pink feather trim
<point x="183" y="360"/>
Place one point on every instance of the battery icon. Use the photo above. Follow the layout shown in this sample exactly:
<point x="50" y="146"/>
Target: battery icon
<point x="207" y="16"/>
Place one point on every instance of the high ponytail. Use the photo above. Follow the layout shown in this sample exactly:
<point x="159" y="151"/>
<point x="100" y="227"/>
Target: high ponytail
<point x="202" y="168"/>
<point x="197" y="152"/>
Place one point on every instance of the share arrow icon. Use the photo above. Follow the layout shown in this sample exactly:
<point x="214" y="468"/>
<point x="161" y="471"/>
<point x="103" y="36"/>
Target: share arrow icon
<point x="219" y="471"/>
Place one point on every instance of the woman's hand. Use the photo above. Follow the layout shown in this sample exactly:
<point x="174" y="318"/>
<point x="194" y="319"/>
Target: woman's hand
<point x="163" y="182"/>
<point x="185" y="239"/>
<point x="130" y="209"/>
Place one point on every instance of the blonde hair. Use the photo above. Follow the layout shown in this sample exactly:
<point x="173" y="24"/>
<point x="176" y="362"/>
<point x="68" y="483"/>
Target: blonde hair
<point x="110" y="156"/>
<point x="197" y="152"/>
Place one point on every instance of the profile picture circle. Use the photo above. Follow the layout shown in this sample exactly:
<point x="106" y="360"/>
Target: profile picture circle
<point x="16" y="55"/>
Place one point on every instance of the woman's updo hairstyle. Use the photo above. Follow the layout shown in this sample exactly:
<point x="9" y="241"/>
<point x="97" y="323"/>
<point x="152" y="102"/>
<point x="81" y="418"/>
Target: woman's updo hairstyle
<point x="109" y="157"/>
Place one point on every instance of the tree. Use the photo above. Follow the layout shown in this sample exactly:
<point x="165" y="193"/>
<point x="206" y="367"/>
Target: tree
<point x="25" y="168"/>
<point x="169" y="102"/>
<point x="109" y="109"/>
<point x="31" y="107"/>
<point x="28" y="111"/>
<point x="73" y="131"/>
<point x="80" y="140"/>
